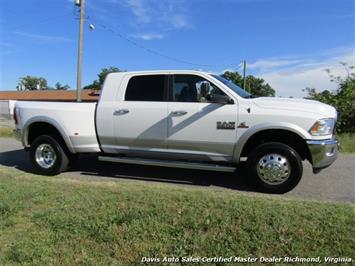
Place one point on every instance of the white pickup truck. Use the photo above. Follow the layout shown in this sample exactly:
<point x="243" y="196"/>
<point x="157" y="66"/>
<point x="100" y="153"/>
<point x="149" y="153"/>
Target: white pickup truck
<point x="184" y="119"/>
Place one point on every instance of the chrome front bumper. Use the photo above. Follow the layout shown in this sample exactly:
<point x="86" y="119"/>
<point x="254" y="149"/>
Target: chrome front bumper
<point x="323" y="153"/>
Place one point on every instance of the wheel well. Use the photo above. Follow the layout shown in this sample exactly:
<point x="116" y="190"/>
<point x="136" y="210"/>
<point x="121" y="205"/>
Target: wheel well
<point x="42" y="128"/>
<point x="278" y="135"/>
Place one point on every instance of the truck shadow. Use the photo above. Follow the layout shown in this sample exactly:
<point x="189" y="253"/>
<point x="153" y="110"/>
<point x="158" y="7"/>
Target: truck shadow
<point x="88" y="166"/>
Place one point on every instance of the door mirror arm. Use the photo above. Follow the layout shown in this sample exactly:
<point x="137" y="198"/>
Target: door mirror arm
<point x="221" y="99"/>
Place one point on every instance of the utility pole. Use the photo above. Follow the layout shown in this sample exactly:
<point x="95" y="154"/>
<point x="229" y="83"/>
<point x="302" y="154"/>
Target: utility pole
<point x="244" y="68"/>
<point x="80" y="49"/>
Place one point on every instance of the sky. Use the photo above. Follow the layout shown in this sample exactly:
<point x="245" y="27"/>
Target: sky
<point x="288" y="43"/>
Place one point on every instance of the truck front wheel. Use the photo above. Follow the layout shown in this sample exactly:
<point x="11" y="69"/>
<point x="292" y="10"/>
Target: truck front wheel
<point x="275" y="167"/>
<point x="47" y="156"/>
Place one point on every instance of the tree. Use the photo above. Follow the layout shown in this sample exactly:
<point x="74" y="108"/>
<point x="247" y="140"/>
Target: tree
<point x="32" y="83"/>
<point x="97" y="84"/>
<point x="254" y="85"/>
<point x="59" y="86"/>
<point x="105" y="71"/>
<point x="343" y="98"/>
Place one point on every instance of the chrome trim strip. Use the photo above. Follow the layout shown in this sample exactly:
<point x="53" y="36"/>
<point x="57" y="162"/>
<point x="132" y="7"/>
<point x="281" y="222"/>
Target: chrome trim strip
<point x="175" y="164"/>
<point x="322" y="142"/>
<point x="123" y="149"/>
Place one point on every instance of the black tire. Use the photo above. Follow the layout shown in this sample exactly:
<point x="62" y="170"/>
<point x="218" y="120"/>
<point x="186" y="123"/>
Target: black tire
<point x="73" y="160"/>
<point x="61" y="161"/>
<point x="292" y="169"/>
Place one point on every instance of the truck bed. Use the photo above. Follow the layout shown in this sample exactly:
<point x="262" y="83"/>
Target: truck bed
<point x="76" y="121"/>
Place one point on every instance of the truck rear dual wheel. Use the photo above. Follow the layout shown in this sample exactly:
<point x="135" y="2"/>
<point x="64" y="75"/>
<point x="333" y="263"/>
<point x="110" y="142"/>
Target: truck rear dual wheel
<point x="47" y="156"/>
<point x="275" y="167"/>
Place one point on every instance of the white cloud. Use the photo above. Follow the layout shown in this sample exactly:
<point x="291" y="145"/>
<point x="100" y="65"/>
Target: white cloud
<point x="312" y="17"/>
<point x="6" y="44"/>
<point x="292" y="84"/>
<point x="142" y="19"/>
<point x="272" y="63"/>
<point x="43" y="38"/>
<point x="7" y="48"/>
<point x="290" y="79"/>
<point x="165" y="15"/>
<point x="148" y="36"/>
<point x="142" y="12"/>
<point x="177" y="21"/>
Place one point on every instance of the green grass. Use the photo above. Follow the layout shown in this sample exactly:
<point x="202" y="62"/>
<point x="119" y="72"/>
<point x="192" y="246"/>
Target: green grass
<point x="347" y="142"/>
<point x="46" y="221"/>
<point x="6" y="132"/>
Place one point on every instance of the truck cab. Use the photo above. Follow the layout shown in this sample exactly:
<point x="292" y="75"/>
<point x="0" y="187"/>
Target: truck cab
<point x="174" y="115"/>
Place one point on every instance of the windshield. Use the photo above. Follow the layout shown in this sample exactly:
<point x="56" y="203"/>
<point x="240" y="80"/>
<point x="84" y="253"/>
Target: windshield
<point x="238" y="90"/>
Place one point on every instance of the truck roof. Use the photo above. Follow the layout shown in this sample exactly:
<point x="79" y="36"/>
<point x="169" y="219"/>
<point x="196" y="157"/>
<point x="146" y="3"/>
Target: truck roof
<point x="152" y="72"/>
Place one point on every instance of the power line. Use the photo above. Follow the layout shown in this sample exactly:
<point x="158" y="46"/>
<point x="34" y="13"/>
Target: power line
<point x="154" y="52"/>
<point x="129" y="40"/>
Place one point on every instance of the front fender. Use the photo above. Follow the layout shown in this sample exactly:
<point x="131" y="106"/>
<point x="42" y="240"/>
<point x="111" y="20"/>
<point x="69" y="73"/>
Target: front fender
<point x="246" y="135"/>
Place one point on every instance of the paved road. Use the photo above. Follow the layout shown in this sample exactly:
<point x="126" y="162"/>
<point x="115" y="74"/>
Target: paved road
<point x="336" y="183"/>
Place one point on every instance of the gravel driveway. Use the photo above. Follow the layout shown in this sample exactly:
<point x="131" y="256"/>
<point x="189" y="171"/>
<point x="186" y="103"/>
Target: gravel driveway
<point x="336" y="183"/>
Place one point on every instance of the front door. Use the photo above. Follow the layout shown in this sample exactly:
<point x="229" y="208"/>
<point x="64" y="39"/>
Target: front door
<point x="197" y="127"/>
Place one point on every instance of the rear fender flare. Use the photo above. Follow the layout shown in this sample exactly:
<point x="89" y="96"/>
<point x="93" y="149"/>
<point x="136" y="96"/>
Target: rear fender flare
<point x="50" y="121"/>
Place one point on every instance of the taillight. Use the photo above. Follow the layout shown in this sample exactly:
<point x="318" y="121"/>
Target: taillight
<point x="15" y="116"/>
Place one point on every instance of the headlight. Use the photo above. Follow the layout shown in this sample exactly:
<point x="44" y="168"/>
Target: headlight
<point x="322" y="127"/>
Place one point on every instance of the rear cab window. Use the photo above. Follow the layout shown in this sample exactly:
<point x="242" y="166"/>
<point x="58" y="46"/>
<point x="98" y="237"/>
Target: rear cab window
<point x="150" y="88"/>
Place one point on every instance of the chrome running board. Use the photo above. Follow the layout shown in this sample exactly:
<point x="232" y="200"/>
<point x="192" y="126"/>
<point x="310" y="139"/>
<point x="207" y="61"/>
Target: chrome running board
<point x="175" y="164"/>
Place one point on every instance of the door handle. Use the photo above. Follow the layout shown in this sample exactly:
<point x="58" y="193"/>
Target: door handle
<point x="179" y="113"/>
<point x="121" y="112"/>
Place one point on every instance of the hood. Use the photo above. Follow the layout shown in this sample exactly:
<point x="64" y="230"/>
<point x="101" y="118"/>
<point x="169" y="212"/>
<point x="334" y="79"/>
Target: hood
<point x="300" y="105"/>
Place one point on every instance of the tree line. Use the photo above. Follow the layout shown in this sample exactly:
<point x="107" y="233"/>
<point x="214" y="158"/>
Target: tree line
<point x="342" y="98"/>
<point x="254" y="85"/>
<point x="31" y="83"/>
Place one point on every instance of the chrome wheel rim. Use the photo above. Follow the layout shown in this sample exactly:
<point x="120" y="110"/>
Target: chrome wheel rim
<point x="45" y="156"/>
<point x="273" y="169"/>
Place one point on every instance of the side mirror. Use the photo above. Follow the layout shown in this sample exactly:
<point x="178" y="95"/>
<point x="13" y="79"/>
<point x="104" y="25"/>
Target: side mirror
<point x="221" y="99"/>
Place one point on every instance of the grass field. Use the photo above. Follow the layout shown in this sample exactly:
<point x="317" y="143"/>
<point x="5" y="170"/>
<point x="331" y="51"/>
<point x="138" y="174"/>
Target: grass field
<point x="46" y="221"/>
<point x="6" y="132"/>
<point x="347" y="142"/>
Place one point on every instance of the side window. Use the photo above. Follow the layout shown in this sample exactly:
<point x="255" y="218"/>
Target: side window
<point x="146" y="88"/>
<point x="192" y="88"/>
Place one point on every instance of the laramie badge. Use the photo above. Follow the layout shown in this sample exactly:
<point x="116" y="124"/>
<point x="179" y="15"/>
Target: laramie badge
<point x="225" y="125"/>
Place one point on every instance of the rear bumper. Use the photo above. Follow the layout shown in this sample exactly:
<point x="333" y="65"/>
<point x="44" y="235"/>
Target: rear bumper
<point x="323" y="153"/>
